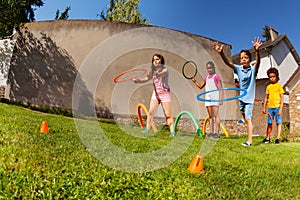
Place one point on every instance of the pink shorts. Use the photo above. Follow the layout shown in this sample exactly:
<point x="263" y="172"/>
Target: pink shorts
<point x="164" y="95"/>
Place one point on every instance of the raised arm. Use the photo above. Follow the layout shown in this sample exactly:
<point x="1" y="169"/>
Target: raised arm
<point x="219" y="48"/>
<point x="257" y="44"/>
<point x="161" y="72"/>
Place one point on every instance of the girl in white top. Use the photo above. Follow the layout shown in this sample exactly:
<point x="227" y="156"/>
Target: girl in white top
<point x="212" y="82"/>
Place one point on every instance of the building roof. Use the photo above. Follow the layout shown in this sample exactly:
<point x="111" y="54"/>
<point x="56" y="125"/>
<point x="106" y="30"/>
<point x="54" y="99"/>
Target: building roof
<point x="293" y="80"/>
<point x="267" y="47"/>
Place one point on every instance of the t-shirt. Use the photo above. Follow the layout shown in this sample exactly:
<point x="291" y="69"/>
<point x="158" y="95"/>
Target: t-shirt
<point x="161" y="84"/>
<point x="216" y="77"/>
<point x="274" y="91"/>
<point x="247" y="79"/>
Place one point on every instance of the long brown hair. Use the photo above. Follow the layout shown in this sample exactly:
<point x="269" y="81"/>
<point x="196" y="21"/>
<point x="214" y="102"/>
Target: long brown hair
<point x="162" y="60"/>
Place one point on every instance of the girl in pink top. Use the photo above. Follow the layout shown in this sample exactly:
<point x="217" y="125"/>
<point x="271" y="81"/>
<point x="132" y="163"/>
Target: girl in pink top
<point x="161" y="93"/>
<point x="212" y="82"/>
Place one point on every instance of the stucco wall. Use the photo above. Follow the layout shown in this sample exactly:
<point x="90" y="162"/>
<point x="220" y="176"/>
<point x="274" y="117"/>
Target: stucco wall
<point x="72" y="64"/>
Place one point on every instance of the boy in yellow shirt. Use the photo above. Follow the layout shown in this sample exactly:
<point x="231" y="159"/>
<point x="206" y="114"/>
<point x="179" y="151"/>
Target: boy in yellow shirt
<point x="274" y="99"/>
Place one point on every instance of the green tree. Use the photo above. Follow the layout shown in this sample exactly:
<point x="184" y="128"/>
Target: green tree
<point x="266" y="34"/>
<point x="30" y="8"/>
<point x="64" y="15"/>
<point x="15" y="12"/>
<point x="124" y="11"/>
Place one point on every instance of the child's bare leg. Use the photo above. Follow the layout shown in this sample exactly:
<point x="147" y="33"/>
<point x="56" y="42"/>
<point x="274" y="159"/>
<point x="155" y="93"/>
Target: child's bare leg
<point x="152" y="111"/>
<point x="210" y="119"/>
<point x="269" y="130"/>
<point x="250" y="129"/>
<point x="168" y="113"/>
<point x="217" y="118"/>
<point x="278" y="131"/>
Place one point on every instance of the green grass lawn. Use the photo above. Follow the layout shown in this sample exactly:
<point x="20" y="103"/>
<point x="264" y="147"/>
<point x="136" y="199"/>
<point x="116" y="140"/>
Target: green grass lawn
<point x="59" y="165"/>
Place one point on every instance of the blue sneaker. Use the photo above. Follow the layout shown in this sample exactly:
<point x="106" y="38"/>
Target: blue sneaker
<point x="145" y="130"/>
<point x="172" y="134"/>
<point x="246" y="144"/>
<point x="241" y="121"/>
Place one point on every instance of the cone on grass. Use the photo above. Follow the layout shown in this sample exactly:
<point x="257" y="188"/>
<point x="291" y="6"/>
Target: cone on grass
<point x="196" y="165"/>
<point x="44" y="127"/>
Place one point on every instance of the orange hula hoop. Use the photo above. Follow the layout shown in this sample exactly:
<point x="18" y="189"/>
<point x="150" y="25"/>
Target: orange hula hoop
<point x="140" y="105"/>
<point x="260" y="125"/>
<point x="116" y="79"/>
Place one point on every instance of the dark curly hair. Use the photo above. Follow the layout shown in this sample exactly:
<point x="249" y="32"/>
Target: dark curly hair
<point x="274" y="71"/>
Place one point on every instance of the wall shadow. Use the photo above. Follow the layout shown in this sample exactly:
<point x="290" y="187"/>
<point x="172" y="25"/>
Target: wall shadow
<point x="42" y="73"/>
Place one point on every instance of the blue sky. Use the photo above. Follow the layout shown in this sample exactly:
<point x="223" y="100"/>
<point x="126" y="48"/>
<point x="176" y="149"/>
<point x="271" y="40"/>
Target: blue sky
<point x="233" y="22"/>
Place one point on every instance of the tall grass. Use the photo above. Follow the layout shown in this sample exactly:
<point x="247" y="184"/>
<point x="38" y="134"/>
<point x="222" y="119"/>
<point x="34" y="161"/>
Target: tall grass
<point x="57" y="165"/>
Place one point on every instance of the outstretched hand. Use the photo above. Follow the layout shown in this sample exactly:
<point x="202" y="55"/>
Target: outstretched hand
<point x="257" y="43"/>
<point x="135" y="80"/>
<point x="218" y="47"/>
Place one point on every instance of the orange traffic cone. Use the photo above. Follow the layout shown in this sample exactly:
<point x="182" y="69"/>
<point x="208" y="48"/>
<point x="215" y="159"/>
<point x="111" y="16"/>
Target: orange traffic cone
<point x="196" y="165"/>
<point x="44" y="127"/>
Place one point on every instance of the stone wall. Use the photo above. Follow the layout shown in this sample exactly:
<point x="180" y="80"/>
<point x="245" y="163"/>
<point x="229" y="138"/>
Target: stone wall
<point x="295" y="112"/>
<point x="2" y="91"/>
<point x="259" y="121"/>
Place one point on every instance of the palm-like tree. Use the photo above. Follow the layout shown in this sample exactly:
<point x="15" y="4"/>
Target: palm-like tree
<point x="266" y="34"/>
<point x="29" y="8"/>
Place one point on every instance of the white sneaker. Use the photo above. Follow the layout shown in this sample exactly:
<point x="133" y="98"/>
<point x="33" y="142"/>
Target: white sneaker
<point x="246" y="144"/>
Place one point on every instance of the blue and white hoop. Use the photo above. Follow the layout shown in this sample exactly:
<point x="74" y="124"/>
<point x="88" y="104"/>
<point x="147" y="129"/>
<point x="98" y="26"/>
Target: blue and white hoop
<point x="243" y="91"/>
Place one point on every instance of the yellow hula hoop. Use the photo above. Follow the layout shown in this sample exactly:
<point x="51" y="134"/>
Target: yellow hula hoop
<point x="140" y="105"/>
<point x="204" y="125"/>
<point x="221" y="125"/>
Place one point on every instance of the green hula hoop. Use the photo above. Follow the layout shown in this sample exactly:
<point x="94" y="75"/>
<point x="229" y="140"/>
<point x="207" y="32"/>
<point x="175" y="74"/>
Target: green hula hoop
<point x="193" y="119"/>
<point x="196" y="70"/>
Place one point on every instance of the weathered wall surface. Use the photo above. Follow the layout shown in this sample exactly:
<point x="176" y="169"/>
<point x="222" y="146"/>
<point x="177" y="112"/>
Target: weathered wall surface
<point x="295" y="111"/>
<point x="72" y="64"/>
